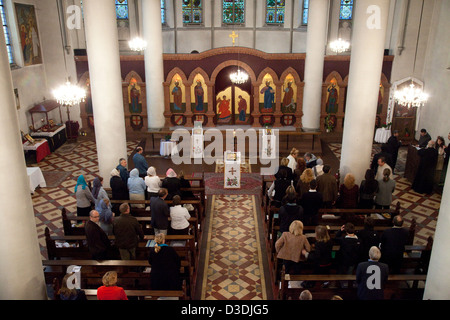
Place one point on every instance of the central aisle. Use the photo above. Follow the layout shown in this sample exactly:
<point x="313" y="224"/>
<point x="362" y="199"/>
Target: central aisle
<point x="235" y="264"/>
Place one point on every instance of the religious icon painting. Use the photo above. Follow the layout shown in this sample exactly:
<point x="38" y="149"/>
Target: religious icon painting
<point x="177" y="98"/>
<point x="134" y="93"/>
<point x="241" y="106"/>
<point x="137" y="122"/>
<point x="198" y="95"/>
<point x="288" y="104"/>
<point x="29" y="35"/>
<point x="223" y="106"/>
<point x="267" y="95"/>
<point x="332" y="102"/>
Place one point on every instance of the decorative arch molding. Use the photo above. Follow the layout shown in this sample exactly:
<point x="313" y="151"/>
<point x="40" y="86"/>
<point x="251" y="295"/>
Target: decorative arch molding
<point x="173" y="72"/>
<point x="294" y="73"/>
<point x="133" y="74"/>
<point x="228" y="63"/>
<point x="200" y="71"/>
<point x="272" y="73"/>
<point x="335" y="74"/>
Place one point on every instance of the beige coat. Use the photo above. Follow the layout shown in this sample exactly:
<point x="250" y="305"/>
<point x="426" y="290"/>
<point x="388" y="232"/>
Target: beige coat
<point x="289" y="247"/>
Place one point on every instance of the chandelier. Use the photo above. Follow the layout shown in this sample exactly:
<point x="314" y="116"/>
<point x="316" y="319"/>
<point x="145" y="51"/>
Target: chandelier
<point x="411" y="96"/>
<point x="69" y="94"/>
<point x="238" y="77"/>
<point x="137" y="44"/>
<point x="339" y="45"/>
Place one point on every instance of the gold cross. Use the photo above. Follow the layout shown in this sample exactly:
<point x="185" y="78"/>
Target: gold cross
<point x="232" y="170"/>
<point x="233" y="36"/>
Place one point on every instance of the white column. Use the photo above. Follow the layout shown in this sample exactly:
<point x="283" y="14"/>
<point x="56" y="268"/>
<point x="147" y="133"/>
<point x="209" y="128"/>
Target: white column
<point x="369" y="32"/>
<point x="437" y="286"/>
<point x="315" y="53"/>
<point x="106" y="84"/>
<point x="153" y="57"/>
<point x="21" y="275"/>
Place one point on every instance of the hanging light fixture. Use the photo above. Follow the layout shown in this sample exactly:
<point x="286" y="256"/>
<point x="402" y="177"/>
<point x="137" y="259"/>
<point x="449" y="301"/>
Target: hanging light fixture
<point x="411" y="96"/>
<point x="238" y="77"/>
<point x="137" y="44"/>
<point x="339" y="45"/>
<point x="69" y="94"/>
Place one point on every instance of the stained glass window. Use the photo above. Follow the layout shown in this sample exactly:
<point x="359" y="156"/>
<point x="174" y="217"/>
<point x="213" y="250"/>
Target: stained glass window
<point x="233" y="11"/>
<point x="122" y="9"/>
<point x="163" y="11"/>
<point x="305" y="12"/>
<point x="346" y="10"/>
<point x="6" y="31"/>
<point x="192" y="11"/>
<point x="275" y="11"/>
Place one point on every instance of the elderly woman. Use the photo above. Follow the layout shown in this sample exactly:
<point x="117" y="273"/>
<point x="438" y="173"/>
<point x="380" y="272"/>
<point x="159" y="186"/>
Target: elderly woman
<point x="311" y="160"/>
<point x="119" y="188"/>
<point x="348" y="193"/>
<point x="106" y="215"/>
<point x="84" y="197"/>
<point x="172" y="183"/>
<point x="97" y="190"/>
<point x="165" y="263"/>
<point x="153" y="182"/>
<point x="110" y="290"/>
<point x="292" y="247"/>
<point x="179" y="217"/>
<point x="386" y="187"/>
<point x="136" y="188"/>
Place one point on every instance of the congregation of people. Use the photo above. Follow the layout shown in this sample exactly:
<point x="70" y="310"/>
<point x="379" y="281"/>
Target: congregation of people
<point x="305" y="184"/>
<point x="105" y="219"/>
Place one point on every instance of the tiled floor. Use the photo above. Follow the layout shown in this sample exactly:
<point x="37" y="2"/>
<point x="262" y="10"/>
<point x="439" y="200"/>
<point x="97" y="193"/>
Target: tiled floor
<point x="234" y="257"/>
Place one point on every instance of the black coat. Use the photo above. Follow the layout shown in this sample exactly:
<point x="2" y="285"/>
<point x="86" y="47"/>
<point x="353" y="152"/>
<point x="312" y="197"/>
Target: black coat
<point x="289" y="173"/>
<point x="362" y="279"/>
<point x="321" y="255"/>
<point x="349" y="251"/>
<point x="311" y="203"/>
<point x="368" y="238"/>
<point x="98" y="242"/>
<point x="423" y="182"/>
<point x="165" y="273"/>
<point x="393" y="242"/>
<point x="127" y="231"/>
<point x="287" y="214"/>
<point x="173" y="185"/>
<point x="119" y="189"/>
<point x="160" y="213"/>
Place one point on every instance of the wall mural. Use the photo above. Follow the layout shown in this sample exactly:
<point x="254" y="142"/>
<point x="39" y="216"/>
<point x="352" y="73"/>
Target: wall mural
<point x="29" y="35"/>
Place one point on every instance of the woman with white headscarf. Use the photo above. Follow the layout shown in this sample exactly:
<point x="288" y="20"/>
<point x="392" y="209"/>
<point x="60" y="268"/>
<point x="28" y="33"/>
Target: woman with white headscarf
<point x="172" y="183"/>
<point x="119" y="189"/>
<point x="153" y="182"/>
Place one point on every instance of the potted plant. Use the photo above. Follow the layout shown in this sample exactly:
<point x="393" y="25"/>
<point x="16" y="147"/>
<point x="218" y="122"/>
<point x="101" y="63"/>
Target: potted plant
<point x="330" y="122"/>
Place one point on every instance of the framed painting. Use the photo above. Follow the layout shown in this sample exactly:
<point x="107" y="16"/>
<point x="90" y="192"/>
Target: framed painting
<point x="28" y="32"/>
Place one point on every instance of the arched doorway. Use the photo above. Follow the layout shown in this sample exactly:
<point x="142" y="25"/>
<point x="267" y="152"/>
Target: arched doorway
<point x="233" y="102"/>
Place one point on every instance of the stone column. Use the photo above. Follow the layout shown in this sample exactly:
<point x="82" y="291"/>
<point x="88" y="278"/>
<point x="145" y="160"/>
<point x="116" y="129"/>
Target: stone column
<point x="438" y="282"/>
<point x="106" y="84"/>
<point x="153" y="60"/>
<point x="21" y="275"/>
<point x="315" y="53"/>
<point x="366" y="61"/>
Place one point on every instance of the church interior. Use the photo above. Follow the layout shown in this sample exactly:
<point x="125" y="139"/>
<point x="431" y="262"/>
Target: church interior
<point x="339" y="103"/>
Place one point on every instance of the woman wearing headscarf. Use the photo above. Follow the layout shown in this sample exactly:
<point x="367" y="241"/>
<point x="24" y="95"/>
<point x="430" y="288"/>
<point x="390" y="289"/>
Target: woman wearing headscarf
<point x="84" y="197"/>
<point x="119" y="189"/>
<point x="106" y="215"/>
<point x="153" y="182"/>
<point x="172" y="183"/>
<point x="97" y="190"/>
<point x="136" y="188"/>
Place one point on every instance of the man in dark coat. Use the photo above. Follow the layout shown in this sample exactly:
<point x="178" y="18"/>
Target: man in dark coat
<point x="393" y="243"/>
<point x="127" y="231"/>
<point x="327" y="186"/>
<point x="311" y="202"/>
<point x="371" y="277"/>
<point x="122" y="168"/>
<point x="97" y="240"/>
<point x="160" y="212"/>
<point x="393" y="144"/>
<point x="424" y="138"/>
<point x="289" y="212"/>
<point x="423" y="182"/>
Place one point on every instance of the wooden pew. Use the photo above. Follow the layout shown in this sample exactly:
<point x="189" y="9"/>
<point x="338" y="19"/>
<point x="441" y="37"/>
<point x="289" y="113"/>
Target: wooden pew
<point x="397" y="287"/>
<point x="58" y="271"/>
<point x="145" y="222"/>
<point x="416" y="260"/>
<point x="187" y="252"/>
